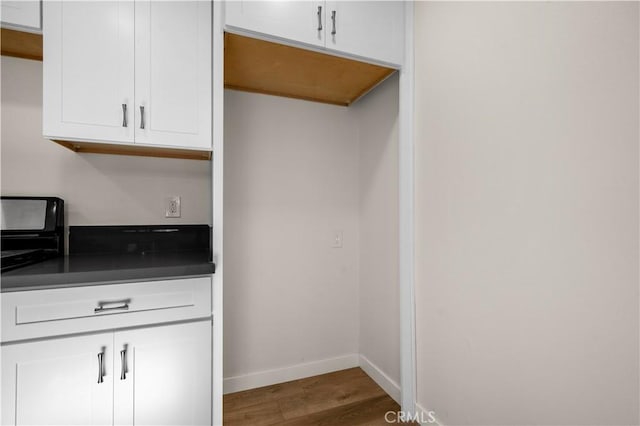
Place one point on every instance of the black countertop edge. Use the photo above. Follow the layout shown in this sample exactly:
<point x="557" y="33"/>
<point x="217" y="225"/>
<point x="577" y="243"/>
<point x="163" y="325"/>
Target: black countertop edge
<point x="74" y="271"/>
<point x="82" y="283"/>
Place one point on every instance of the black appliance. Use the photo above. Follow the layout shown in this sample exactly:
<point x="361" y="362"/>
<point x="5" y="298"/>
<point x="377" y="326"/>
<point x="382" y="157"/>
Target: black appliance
<point x="32" y="230"/>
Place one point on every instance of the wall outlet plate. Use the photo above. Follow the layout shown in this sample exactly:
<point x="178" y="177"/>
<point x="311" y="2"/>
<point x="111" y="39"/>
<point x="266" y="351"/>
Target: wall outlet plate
<point x="336" y="240"/>
<point x="172" y="206"/>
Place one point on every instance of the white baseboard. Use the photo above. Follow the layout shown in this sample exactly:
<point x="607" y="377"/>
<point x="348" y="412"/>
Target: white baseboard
<point x="300" y="371"/>
<point x="286" y="374"/>
<point x="378" y="376"/>
<point x="426" y="417"/>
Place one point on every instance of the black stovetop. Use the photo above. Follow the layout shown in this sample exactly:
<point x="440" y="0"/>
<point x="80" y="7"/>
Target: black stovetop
<point x="12" y="259"/>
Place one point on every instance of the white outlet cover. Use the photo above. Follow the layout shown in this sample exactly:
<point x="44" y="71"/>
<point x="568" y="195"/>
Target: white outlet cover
<point x="172" y="206"/>
<point x="336" y="240"/>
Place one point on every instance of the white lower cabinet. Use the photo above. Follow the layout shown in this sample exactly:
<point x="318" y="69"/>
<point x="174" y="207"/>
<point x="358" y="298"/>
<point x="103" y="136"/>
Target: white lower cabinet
<point x="55" y="382"/>
<point x="158" y="375"/>
<point x="166" y="377"/>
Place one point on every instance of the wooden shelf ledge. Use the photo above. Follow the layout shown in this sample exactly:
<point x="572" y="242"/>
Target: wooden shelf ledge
<point x="259" y="66"/>
<point x="143" y="151"/>
<point x="251" y="65"/>
<point x="20" y="44"/>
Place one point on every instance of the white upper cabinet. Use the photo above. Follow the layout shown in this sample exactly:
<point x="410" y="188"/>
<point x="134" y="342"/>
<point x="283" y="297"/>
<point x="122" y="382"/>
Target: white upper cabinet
<point x="370" y="30"/>
<point x="88" y="70"/>
<point x="300" y="21"/>
<point x="23" y="15"/>
<point x="173" y="73"/>
<point x="128" y="72"/>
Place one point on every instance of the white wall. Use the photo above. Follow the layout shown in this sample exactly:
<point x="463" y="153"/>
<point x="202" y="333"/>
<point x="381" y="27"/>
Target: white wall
<point x="291" y="179"/>
<point x="377" y="118"/>
<point x="97" y="189"/>
<point x="527" y="212"/>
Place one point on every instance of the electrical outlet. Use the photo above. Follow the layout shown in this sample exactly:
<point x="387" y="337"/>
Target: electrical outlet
<point x="336" y="241"/>
<point x="172" y="206"/>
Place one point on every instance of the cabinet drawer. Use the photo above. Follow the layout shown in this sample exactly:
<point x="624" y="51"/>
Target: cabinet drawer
<point x="54" y="312"/>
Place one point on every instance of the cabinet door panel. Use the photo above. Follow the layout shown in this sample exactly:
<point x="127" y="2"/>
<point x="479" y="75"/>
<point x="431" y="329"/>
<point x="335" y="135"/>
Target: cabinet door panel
<point x="88" y="70"/>
<point x="292" y="20"/>
<point x="371" y="29"/>
<point x="24" y="14"/>
<point x="56" y="382"/>
<point x="167" y="375"/>
<point x="173" y="73"/>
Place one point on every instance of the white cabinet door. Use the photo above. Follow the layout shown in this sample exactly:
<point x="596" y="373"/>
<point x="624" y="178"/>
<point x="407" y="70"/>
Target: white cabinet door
<point x="55" y="382"/>
<point x="299" y="21"/>
<point x="22" y="15"/>
<point x="370" y="29"/>
<point x="88" y="70"/>
<point x="173" y="73"/>
<point x="167" y="375"/>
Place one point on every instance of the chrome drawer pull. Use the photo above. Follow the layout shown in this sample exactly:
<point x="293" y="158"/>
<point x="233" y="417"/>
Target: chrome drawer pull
<point x="124" y="306"/>
<point x="123" y="363"/>
<point x="142" y="116"/>
<point x="124" y="115"/>
<point x="100" y="368"/>
<point x="333" y="18"/>
<point x="319" y="18"/>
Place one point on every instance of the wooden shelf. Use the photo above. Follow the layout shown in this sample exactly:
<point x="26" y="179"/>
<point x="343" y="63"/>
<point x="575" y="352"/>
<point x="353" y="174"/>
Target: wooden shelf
<point x="143" y="151"/>
<point x="20" y="44"/>
<point x="260" y="66"/>
<point x="251" y="65"/>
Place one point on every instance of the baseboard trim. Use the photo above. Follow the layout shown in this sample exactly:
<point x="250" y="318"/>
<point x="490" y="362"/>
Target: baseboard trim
<point x="378" y="376"/>
<point x="286" y="374"/>
<point x="426" y="417"/>
<point x="300" y="371"/>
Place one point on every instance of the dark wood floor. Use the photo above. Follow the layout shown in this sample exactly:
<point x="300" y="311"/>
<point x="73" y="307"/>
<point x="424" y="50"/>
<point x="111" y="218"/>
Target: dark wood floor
<point x="347" y="397"/>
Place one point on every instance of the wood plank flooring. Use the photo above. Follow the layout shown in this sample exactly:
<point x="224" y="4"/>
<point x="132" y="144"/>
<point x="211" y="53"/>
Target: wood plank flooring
<point x="347" y="397"/>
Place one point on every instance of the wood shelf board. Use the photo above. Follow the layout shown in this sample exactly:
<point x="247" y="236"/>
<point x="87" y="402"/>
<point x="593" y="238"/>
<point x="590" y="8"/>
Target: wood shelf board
<point x="144" y="151"/>
<point x="20" y="44"/>
<point x="261" y="66"/>
<point x="251" y="65"/>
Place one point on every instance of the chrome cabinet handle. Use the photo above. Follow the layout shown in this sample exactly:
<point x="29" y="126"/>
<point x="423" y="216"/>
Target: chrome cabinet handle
<point x="142" y="116"/>
<point x="124" y="306"/>
<point x="123" y="364"/>
<point x="319" y="18"/>
<point x="124" y="115"/>
<point x="333" y="20"/>
<point x="100" y="368"/>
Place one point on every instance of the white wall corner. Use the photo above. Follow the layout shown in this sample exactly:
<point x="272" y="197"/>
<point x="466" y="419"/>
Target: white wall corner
<point x="287" y="374"/>
<point x="385" y="382"/>
<point x="408" y="378"/>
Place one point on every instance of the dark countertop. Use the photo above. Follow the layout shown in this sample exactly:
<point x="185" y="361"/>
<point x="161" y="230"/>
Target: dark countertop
<point x="76" y="270"/>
